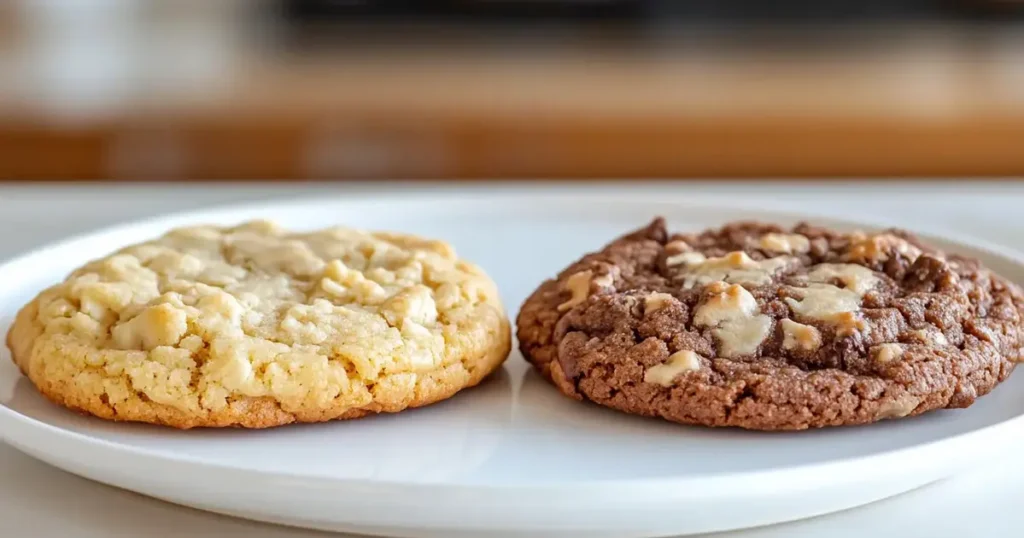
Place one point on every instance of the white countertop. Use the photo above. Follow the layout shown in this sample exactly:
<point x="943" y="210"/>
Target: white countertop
<point x="36" y="500"/>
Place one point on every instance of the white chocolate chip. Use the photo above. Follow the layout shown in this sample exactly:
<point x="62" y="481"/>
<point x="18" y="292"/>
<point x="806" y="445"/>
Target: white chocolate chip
<point x="877" y="248"/>
<point x="734" y="268"/>
<point x="901" y="407"/>
<point x="685" y="258"/>
<point x="797" y="336"/>
<point x="823" y="302"/>
<point x="415" y="304"/>
<point x="849" y="324"/>
<point x="677" y="247"/>
<point x="579" y="286"/>
<point x="159" y="325"/>
<point x="677" y="363"/>
<point x="856" y="278"/>
<point x="784" y="243"/>
<point x="604" y="281"/>
<point x="656" y="301"/>
<point x="930" y="336"/>
<point x="738" y="325"/>
<point x="85" y="324"/>
<point x="727" y="302"/>
<point x="885" y="353"/>
<point x="838" y="306"/>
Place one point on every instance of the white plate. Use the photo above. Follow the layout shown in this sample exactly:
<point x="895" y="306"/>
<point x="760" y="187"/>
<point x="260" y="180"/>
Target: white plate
<point x="511" y="456"/>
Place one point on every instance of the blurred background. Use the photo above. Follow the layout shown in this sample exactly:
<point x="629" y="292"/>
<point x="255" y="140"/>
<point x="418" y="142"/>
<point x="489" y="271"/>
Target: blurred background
<point x="474" y="89"/>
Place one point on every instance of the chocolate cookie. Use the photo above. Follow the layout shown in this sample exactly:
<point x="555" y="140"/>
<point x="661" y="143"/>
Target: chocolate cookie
<point x="760" y="327"/>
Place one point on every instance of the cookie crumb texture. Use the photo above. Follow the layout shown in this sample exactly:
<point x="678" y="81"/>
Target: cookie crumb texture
<point x="760" y="327"/>
<point x="254" y="326"/>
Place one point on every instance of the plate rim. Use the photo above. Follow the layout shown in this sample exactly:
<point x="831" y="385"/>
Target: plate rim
<point x="722" y="482"/>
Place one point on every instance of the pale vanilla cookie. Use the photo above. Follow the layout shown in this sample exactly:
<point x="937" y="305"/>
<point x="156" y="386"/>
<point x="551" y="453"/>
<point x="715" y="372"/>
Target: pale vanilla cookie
<point x="256" y="326"/>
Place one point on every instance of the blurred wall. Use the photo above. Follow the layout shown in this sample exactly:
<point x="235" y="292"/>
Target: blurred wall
<point x="229" y="89"/>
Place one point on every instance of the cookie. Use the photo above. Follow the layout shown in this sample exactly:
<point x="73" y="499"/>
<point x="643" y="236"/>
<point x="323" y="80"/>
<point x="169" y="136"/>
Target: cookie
<point x="254" y="326"/>
<point x="768" y="328"/>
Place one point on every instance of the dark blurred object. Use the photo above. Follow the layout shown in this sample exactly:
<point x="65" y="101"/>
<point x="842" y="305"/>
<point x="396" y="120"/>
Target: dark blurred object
<point x="640" y="12"/>
<point x="308" y="24"/>
<point x="411" y="10"/>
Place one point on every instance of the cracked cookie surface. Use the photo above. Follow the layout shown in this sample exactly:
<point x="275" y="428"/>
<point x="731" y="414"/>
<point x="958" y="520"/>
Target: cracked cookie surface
<point x="760" y="327"/>
<point x="255" y="326"/>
